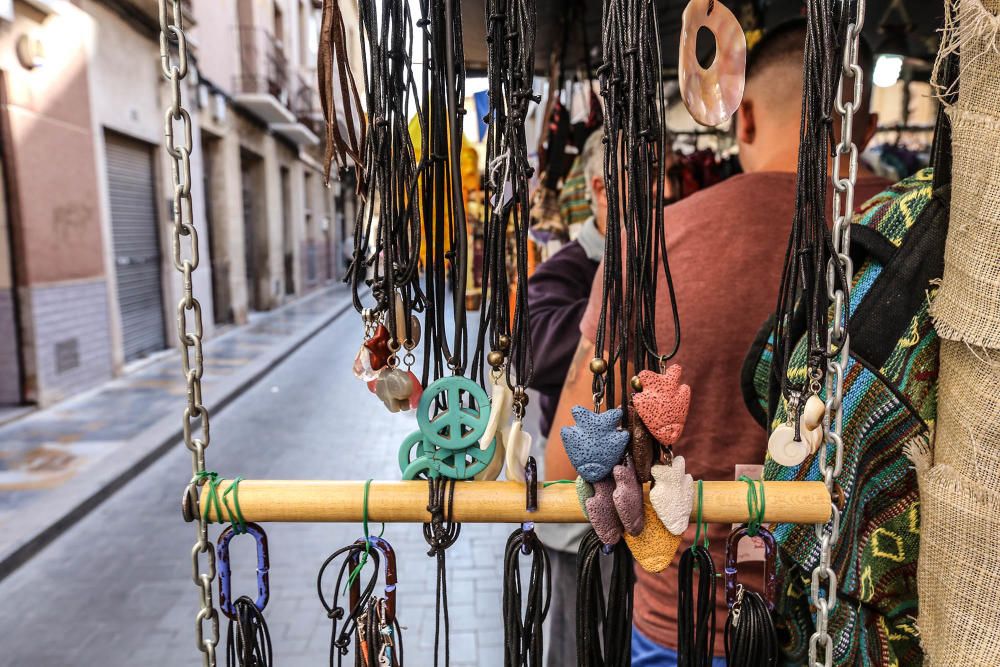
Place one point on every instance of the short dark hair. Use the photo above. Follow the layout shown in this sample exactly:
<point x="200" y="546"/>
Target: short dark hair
<point x="786" y="43"/>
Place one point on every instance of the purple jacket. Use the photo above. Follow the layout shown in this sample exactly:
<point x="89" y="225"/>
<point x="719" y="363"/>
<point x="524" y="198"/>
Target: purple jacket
<point x="558" y="292"/>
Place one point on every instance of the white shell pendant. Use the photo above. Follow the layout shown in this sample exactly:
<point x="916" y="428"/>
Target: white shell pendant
<point x="495" y="466"/>
<point x="500" y="403"/>
<point x="712" y="95"/>
<point x="518" y="450"/>
<point x="782" y="445"/>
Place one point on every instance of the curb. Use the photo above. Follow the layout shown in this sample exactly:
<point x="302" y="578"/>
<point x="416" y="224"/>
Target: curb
<point x="167" y="434"/>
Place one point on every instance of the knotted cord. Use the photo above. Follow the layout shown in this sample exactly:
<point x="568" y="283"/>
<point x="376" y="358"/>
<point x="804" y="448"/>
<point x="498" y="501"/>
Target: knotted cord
<point x="635" y="140"/>
<point x="387" y="227"/>
<point x="510" y="70"/>
<point x="523" y="634"/>
<point x="340" y="642"/>
<point x="248" y="642"/>
<point x="440" y="185"/>
<point x="440" y="534"/>
<point x="804" y="281"/>
<point x="696" y="631"/>
<point x="603" y="627"/>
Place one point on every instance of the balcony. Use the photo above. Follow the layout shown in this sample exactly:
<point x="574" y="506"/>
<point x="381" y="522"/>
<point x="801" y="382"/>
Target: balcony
<point x="309" y="121"/>
<point x="264" y="88"/>
<point x="150" y="11"/>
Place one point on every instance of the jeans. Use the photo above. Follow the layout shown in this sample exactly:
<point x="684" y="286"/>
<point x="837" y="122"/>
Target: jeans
<point x="647" y="653"/>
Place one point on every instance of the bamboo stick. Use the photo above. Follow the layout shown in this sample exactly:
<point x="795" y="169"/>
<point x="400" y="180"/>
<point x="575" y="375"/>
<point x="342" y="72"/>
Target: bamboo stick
<point x="495" y="502"/>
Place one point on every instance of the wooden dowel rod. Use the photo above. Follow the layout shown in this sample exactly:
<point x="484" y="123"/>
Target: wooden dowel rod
<point x="495" y="502"/>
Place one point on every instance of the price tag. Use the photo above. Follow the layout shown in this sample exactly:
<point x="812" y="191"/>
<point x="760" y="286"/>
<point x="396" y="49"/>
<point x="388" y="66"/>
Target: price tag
<point x="751" y="549"/>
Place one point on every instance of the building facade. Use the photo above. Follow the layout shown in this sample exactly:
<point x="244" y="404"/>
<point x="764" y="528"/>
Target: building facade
<point x="87" y="284"/>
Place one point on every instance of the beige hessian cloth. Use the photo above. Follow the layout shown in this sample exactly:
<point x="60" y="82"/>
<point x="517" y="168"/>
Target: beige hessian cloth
<point x="959" y="616"/>
<point x="968" y="306"/>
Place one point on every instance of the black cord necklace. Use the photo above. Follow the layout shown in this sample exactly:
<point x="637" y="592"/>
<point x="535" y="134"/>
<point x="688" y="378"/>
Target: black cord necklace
<point x="696" y="632"/>
<point x="440" y="186"/>
<point x="510" y="69"/>
<point x="635" y="248"/>
<point x="440" y="534"/>
<point x="750" y="637"/>
<point x="248" y="642"/>
<point x="805" y="281"/>
<point x="523" y="633"/>
<point x="387" y="227"/>
<point x="340" y="641"/>
<point x="603" y="627"/>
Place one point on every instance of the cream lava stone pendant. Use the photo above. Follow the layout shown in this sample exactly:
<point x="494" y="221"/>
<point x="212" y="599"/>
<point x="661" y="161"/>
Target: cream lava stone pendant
<point x="712" y="95"/>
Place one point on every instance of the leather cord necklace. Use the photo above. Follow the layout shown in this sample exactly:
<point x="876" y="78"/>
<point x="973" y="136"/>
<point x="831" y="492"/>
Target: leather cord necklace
<point x="440" y="186"/>
<point x="603" y="627"/>
<point x="635" y="249"/>
<point x="333" y="57"/>
<point x="387" y="227"/>
<point x="523" y="633"/>
<point x="802" y="296"/>
<point x="248" y="642"/>
<point x="340" y="640"/>
<point x="750" y="637"/>
<point x="440" y="534"/>
<point x="510" y="69"/>
<point x="696" y="630"/>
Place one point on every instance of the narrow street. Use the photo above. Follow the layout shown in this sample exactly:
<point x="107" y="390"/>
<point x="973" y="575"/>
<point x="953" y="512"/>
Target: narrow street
<point x="116" y="588"/>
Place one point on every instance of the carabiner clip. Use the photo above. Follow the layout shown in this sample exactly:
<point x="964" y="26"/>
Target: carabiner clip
<point x="389" y="556"/>
<point x="263" y="565"/>
<point x="732" y="554"/>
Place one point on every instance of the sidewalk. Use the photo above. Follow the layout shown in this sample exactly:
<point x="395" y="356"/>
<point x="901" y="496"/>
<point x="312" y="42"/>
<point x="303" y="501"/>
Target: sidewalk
<point x="59" y="463"/>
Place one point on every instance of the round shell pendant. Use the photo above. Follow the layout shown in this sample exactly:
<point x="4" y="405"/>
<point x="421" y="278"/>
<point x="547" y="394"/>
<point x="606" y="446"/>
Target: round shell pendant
<point x="712" y="95"/>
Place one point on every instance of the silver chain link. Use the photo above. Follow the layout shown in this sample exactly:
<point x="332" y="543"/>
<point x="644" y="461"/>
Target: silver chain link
<point x="189" y="322"/>
<point x="838" y="340"/>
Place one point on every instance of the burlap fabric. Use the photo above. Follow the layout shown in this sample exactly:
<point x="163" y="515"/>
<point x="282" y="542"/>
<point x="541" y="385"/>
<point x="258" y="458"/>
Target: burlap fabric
<point x="968" y="306"/>
<point x="959" y="616"/>
<point x="968" y="426"/>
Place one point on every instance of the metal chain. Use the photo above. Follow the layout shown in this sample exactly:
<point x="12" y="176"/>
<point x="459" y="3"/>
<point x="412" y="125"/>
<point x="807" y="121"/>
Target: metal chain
<point x="838" y="339"/>
<point x="189" y="322"/>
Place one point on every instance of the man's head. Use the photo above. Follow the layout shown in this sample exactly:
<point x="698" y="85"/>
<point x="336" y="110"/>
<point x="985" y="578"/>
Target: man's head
<point x="767" y="121"/>
<point x="592" y="159"/>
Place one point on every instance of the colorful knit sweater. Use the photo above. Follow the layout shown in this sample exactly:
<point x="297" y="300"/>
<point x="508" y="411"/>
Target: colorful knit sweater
<point x="889" y="398"/>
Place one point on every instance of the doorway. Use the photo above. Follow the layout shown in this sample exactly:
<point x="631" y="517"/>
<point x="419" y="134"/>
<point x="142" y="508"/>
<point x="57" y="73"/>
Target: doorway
<point x="254" y="231"/>
<point x="136" y="245"/>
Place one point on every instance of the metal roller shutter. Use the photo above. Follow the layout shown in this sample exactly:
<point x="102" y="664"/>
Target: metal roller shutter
<point x="136" y="245"/>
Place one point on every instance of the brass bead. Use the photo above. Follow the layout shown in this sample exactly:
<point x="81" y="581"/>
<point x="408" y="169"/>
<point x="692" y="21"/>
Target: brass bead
<point x="636" y="383"/>
<point x="504" y="342"/>
<point x="520" y="396"/>
<point x="598" y="366"/>
<point x="495" y="358"/>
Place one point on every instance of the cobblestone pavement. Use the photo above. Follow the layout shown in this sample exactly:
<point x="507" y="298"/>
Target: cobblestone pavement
<point x="116" y="588"/>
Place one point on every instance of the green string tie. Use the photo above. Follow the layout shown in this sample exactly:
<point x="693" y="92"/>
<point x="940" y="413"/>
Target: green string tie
<point x="211" y="482"/>
<point x="700" y="520"/>
<point x="755" y="505"/>
<point x="236" y="519"/>
<point x="546" y="485"/>
<point x="364" y="524"/>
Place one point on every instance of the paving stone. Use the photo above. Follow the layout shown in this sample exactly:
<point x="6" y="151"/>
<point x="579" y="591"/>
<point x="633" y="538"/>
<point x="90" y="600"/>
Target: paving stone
<point x="115" y="589"/>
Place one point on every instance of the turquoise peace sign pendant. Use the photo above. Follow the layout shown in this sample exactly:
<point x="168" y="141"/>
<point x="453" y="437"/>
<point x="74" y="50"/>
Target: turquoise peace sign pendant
<point x="447" y="444"/>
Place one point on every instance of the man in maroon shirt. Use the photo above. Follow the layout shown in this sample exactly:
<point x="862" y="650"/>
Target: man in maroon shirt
<point x="727" y="246"/>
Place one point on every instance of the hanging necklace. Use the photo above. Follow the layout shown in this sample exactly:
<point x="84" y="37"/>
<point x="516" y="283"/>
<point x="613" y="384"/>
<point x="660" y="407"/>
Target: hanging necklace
<point x="510" y="68"/>
<point x="387" y="232"/>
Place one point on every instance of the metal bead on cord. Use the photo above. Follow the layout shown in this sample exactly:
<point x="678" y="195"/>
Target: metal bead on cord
<point x="510" y="39"/>
<point x="635" y="144"/>
<point x="387" y="234"/>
